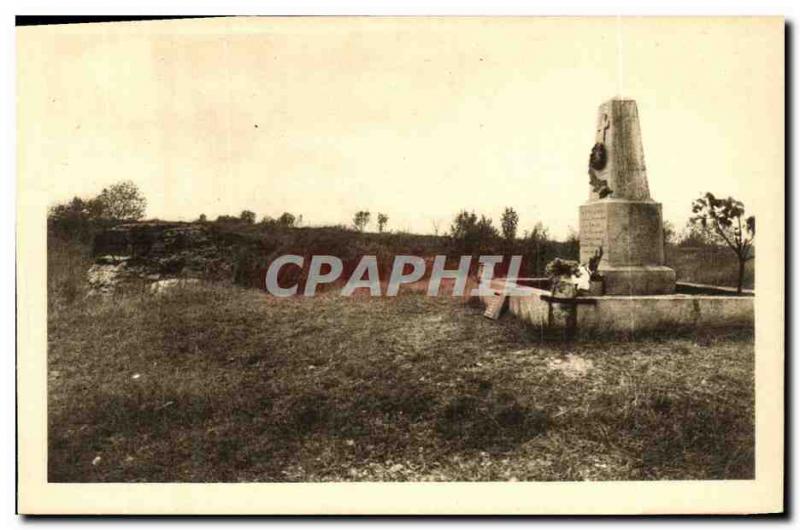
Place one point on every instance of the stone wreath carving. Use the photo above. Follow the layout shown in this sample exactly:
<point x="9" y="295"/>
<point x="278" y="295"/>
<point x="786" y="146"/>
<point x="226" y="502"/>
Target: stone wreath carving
<point x="599" y="157"/>
<point x="597" y="162"/>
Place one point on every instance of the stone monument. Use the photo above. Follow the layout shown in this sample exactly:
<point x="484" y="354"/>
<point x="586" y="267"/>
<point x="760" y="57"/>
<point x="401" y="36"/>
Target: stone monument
<point x="620" y="221"/>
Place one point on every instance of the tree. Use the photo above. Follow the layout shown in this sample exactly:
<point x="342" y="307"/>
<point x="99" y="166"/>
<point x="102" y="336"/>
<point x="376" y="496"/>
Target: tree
<point x="724" y="220"/>
<point x="75" y="218"/>
<point x="669" y="233"/>
<point x="572" y="236"/>
<point x="247" y="216"/>
<point x="202" y="218"/>
<point x="573" y="242"/>
<point x="361" y="219"/>
<point x="508" y="224"/>
<point x="286" y="219"/>
<point x="540" y="233"/>
<point x="121" y="202"/>
<point x="538" y="243"/>
<point x="463" y="225"/>
<point x="693" y="235"/>
<point x="471" y="232"/>
<point x="486" y="229"/>
<point x="382" y="220"/>
<point x="77" y="208"/>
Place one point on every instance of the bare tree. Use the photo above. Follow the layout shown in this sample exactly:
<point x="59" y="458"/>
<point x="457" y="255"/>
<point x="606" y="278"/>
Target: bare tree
<point x="436" y="223"/>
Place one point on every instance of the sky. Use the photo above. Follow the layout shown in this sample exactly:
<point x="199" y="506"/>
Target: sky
<point x="414" y="118"/>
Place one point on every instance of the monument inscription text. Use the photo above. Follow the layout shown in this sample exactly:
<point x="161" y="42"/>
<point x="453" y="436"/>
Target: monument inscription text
<point x="593" y="228"/>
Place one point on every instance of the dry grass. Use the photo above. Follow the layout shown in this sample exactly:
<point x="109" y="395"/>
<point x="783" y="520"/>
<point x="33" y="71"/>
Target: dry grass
<point x="211" y="383"/>
<point x="67" y="263"/>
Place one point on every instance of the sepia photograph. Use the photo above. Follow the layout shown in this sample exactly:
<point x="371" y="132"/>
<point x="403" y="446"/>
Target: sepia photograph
<point x="326" y="251"/>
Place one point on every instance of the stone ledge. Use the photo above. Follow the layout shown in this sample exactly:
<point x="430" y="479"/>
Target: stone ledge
<point x="626" y="313"/>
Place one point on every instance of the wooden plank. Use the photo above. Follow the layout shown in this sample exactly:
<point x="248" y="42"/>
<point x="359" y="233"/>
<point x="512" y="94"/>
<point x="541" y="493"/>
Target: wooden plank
<point x="495" y="306"/>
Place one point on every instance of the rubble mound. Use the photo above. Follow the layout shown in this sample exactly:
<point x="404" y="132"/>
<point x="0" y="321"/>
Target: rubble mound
<point x="153" y="251"/>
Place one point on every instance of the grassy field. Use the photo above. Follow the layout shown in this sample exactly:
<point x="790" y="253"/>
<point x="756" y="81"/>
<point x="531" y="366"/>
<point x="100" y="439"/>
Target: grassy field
<point x="219" y="383"/>
<point x="710" y="265"/>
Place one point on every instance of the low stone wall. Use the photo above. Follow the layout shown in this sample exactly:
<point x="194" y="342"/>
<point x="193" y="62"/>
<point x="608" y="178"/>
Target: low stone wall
<point x="528" y="304"/>
<point x="644" y="313"/>
<point x="628" y="314"/>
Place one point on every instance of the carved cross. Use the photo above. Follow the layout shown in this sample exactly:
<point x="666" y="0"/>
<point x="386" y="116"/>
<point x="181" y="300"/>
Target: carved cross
<point x="604" y="125"/>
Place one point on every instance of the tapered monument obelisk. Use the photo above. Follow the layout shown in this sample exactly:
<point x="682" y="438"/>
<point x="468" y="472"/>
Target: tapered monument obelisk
<point x="620" y="217"/>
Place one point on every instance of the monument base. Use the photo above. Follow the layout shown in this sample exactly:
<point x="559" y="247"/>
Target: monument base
<point x="631" y="237"/>
<point x="630" y="232"/>
<point x="637" y="280"/>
